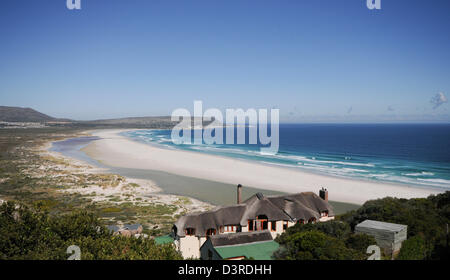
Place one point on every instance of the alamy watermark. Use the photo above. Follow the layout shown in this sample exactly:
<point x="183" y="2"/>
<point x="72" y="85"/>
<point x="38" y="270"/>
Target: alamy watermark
<point x="375" y="252"/>
<point x="73" y="4"/>
<point x="374" y="4"/>
<point x="75" y="252"/>
<point x="76" y="4"/>
<point x="236" y="120"/>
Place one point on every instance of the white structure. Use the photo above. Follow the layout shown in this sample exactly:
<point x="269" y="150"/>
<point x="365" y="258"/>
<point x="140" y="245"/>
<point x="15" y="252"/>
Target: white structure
<point x="388" y="236"/>
<point x="258" y="213"/>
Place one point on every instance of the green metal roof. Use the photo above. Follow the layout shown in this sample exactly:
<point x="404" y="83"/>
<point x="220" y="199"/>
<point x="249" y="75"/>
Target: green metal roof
<point x="257" y="250"/>
<point x="163" y="239"/>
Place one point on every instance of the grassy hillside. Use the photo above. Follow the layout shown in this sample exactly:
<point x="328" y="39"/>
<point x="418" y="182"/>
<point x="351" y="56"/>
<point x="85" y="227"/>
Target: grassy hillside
<point x="18" y="114"/>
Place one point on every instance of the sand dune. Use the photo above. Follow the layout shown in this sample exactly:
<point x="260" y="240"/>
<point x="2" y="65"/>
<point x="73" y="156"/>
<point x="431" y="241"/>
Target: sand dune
<point x="115" y="150"/>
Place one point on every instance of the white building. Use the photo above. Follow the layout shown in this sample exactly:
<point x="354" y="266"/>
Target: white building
<point x="389" y="236"/>
<point x="258" y="213"/>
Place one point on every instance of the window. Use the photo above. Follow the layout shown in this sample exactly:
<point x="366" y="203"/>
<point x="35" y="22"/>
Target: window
<point x="262" y="223"/>
<point x="285" y="225"/>
<point x="301" y="221"/>
<point x="211" y="231"/>
<point x="312" y="220"/>
<point x="190" y="231"/>
<point x="273" y="226"/>
<point x="250" y="225"/>
<point x="230" y="228"/>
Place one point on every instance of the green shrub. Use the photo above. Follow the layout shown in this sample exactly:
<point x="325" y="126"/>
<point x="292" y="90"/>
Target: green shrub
<point x="413" y="249"/>
<point x="33" y="234"/>
<point x="313" y="245"/>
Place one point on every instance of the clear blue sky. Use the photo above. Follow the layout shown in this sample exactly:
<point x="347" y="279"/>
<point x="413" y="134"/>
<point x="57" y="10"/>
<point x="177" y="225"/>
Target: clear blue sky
<point x="312" y="59"/>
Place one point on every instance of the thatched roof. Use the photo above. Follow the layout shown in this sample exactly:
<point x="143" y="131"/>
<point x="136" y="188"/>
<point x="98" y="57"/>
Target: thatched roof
<point x="302" y="206"/>
<point x="294" y="207"/>
<point x="202" y="221"/>
<point x="259" y="205"/>
<point x="240" y="238"/>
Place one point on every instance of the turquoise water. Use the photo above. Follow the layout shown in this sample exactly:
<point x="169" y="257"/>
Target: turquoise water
<point x="412" y="154"/>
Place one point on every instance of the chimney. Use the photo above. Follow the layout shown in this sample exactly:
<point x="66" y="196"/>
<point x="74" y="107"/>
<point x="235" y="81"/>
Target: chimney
<point x="323" y="193"/>
<point x="239" y="194"/>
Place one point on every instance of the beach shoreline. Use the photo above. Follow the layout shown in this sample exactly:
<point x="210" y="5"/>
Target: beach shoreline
<point x="115" y="150"/>
<point x="144" y="189"/>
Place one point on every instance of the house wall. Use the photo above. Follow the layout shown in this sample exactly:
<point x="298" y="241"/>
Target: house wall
<point x="326" y="218"/>
<point x="231" y="231"/>
<point x="398" y="240"/>
<point x="400" y="236"/>
<point x="279" y="229"/>
<point x="201" y="240"/>
<point x="189" y="246"/>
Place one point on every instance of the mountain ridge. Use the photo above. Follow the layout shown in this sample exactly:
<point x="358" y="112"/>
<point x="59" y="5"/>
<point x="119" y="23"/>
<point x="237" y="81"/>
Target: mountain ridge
<point x="24" y="114"/>
<point x="29" y="115"/>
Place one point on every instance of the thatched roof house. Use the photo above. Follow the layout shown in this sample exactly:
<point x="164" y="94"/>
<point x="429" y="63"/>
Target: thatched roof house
<point x="252" y="219"/>
<point x="304" y="206"/>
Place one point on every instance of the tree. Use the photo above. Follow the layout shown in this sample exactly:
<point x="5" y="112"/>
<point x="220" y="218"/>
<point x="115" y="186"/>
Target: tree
<point x="313" y="245"/>
<point x="360" y="242"/>
<point x="412" y="249"/>
<point x="426" y="217"/>
<point x="32" y="234"/>
<point x="337" y="229"/>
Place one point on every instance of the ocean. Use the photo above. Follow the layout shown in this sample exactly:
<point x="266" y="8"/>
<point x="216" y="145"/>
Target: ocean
<point x="412" y="154"/>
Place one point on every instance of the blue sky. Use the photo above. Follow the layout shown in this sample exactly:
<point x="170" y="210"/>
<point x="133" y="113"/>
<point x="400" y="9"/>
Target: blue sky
<point x="321" y="60"/>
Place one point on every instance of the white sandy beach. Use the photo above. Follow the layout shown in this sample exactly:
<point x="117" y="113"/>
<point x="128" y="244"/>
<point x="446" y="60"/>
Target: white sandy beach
<point x="115" y="150"/>
<point x="127" y="190"/>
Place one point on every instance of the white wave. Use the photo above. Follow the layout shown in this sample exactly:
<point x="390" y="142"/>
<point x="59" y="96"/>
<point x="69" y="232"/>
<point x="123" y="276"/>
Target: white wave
<point x="355" y="170"/>
<point x="338" y="162"/>
<point x="439" y="181"/>
<point x="342" y="172"/>
<point x="423" y="173"/>
<point x="314" y="160"/>
<point x="410" y="181"/>
<point x="313" y="165"/>
<point x="277" y="164"/>
<point x="379" y="175"/>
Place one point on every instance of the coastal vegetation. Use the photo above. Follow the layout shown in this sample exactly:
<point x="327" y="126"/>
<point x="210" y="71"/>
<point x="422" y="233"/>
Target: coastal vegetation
<point x="427" y="220"/>
<point x="37" y="179"/>
<point x="27" y="233"/>
<point x="331" y="240"/>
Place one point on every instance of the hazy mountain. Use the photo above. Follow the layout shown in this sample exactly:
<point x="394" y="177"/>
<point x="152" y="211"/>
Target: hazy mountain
<point x="18" y="114"/>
